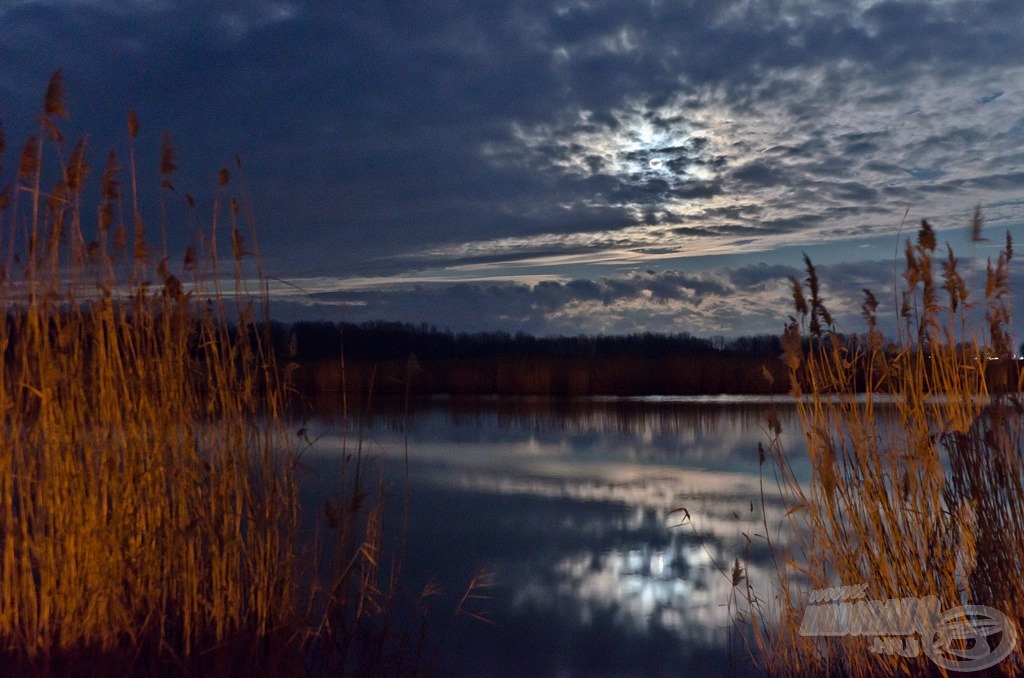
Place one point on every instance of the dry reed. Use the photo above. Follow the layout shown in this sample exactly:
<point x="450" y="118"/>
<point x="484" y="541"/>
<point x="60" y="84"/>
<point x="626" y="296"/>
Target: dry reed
<point x="149" y="514"/>
<point x="925" y="498"/>
<point x="147" y="501"/>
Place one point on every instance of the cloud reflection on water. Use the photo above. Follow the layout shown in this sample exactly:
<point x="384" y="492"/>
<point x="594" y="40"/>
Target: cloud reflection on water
<point x="643" y="568"/>
<point x="574" y="513"/>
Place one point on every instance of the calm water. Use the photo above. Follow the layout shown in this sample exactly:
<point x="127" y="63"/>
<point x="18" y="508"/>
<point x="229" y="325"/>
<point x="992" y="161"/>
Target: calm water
<point x="568" y="506"/>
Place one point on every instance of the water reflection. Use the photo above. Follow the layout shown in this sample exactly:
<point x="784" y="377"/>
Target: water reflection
<point x="572" y="506"/>
<point x="649" y="564"/>
<point x="709" y="433"/>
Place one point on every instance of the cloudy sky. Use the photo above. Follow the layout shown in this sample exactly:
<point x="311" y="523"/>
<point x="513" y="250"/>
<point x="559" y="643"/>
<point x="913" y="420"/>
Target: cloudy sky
<point x="557" y="167"/>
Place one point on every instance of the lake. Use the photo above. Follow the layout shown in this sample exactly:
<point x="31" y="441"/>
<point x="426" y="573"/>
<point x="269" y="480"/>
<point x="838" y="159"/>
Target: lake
<point x="569" y="506"/>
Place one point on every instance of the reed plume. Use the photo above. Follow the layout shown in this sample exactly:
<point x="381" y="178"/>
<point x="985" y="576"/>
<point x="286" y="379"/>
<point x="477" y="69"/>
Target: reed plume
<point x="148" y="507"/>
<point x="916" y="450"/>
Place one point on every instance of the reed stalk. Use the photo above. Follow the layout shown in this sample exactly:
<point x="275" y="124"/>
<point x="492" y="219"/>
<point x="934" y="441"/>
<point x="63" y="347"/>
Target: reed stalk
<point x="917" y="463"/>
<point x="148" y="504"/>
<point x="149" y="513"/>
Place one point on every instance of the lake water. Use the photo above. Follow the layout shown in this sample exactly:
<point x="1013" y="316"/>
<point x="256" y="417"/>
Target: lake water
<point x="568" y="505"/>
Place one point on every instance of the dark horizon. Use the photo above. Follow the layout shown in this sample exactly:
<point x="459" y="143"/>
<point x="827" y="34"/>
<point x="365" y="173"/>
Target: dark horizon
<point x="395" y="359"/>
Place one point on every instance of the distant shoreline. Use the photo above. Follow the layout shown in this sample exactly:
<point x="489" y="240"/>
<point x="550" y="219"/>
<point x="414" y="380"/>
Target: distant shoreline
<point x="393" y="359"/>
<point x="623" y="376"/>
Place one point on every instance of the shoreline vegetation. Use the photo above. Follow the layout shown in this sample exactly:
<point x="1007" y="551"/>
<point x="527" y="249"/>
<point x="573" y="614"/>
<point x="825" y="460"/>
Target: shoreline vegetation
<point x="398" y="359"/>
<point x="149" y="478"/>
<point x="924" y="505"/>
<point x="395" y="359"/>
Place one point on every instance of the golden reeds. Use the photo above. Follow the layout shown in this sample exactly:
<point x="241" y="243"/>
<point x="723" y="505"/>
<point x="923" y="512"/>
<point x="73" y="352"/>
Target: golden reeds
<point x="148" y="489"/>
<point x="147" y="497"/>
<point x="924" y="499"/>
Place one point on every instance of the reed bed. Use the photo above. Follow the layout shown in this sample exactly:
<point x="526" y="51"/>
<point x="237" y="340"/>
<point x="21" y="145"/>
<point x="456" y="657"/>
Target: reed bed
<point x="149" y="513"/>
<point x="147" y="498"/>
<point x="926" y="499"/>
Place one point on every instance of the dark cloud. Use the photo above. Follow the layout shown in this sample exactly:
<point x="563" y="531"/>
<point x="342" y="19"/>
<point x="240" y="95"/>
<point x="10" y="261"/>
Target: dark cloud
<point x="757" y="274"/>
<point x="854" y="192"/>
<point x="760" y="174"/>
<point x="379" y="138"/>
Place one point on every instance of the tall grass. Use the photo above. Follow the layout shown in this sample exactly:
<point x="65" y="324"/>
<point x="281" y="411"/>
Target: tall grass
<point x="147" y="498"/>
<point x="149" y="512"/>
<point x="926" y="498"/>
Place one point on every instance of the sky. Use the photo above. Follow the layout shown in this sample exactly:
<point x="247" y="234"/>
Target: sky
<point x="578" y="166"/>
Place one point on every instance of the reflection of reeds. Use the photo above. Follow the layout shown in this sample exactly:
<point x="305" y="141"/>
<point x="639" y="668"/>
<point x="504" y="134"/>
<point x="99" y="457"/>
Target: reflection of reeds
<point x="927" y="502"/>
<point x="368" y="623"/>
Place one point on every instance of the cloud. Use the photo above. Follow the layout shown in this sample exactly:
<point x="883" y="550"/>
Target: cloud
<point x="385" y="139"/>
<point x="727" y="301"/>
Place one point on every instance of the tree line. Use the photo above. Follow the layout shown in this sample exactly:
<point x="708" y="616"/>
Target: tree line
<point x="398" y="358"/>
